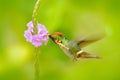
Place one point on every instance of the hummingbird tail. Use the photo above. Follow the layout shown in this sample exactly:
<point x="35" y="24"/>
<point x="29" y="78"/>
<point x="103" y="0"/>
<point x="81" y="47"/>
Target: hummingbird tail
<point x="87" y="55"/>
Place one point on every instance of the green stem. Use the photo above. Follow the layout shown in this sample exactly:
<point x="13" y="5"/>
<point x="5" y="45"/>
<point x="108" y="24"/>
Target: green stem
<point x="34" y="20"/>
<point x="36" y="64"/>
<point x="34" y="16"/>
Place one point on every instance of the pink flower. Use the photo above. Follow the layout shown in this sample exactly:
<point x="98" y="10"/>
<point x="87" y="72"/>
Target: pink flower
<point x="36" y="39"/>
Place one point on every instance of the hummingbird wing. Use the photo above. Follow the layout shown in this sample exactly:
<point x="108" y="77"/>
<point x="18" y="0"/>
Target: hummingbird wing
<point x="83" y="42"/>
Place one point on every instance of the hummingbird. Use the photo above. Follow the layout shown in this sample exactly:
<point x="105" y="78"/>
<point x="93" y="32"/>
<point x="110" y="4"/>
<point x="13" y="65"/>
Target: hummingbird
<point x="72" y="48"/>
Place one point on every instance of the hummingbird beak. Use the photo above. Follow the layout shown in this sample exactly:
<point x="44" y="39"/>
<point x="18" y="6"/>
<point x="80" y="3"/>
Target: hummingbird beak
<point x="50" y="36"/>
<point x="53" y="38"/>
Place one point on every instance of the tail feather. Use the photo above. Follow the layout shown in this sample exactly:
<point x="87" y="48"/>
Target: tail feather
<point x="86" y="55"/>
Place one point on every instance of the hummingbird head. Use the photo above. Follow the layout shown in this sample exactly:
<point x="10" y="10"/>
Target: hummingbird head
<point x="56" y="37"/>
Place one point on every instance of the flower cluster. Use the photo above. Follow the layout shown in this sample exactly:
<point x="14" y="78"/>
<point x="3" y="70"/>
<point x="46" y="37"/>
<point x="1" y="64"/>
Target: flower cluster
<point x="36" y="39"/>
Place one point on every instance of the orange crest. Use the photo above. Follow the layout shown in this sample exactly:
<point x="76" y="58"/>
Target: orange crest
<point x="57" y="34"/>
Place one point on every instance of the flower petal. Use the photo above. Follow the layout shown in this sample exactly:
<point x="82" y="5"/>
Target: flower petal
<point x="37" y="40"/>
<point x="30" y="26"/>
<point x="42" y="29"/>
<point x="28" y="36"/>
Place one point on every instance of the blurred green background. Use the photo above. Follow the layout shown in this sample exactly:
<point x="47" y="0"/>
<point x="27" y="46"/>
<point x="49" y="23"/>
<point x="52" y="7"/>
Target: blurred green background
<point x="73" y="18"/>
